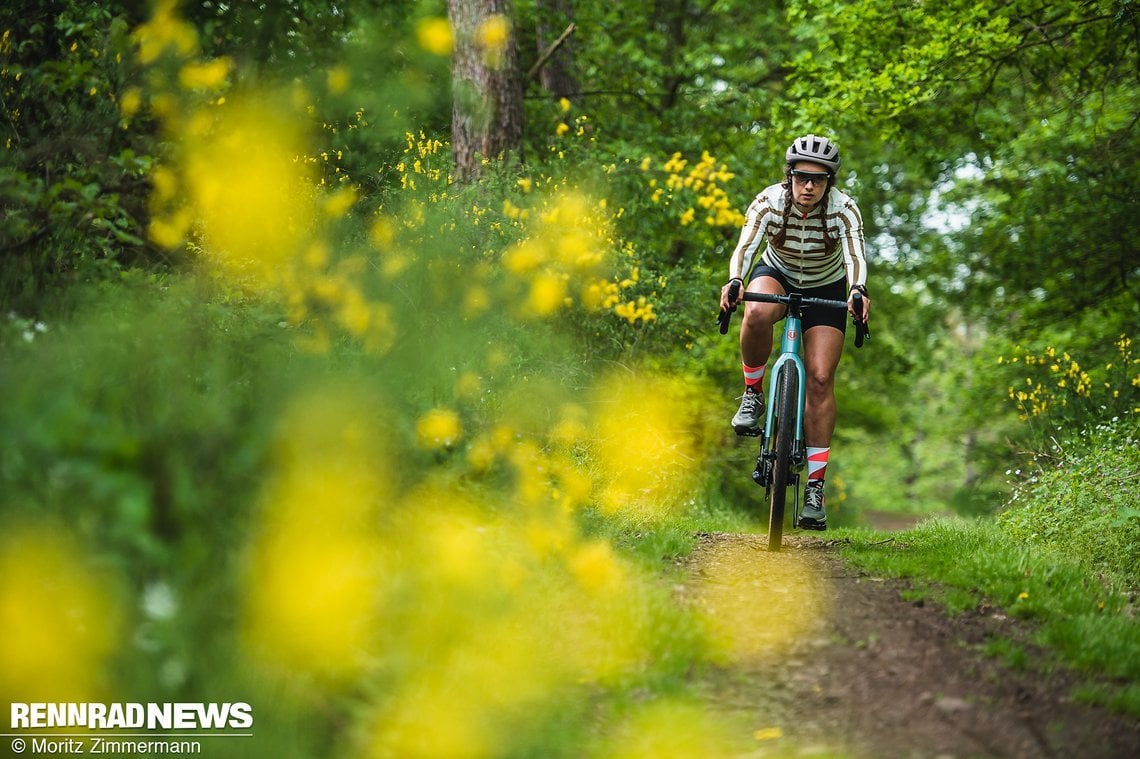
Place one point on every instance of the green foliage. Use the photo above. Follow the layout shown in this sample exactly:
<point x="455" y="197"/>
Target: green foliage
<point x="290" y="36"/>
<point x="653" y="542"/>
<point x="154" y="419"/>
<point x="97" y="424"/>
<point x="73" y="173"/>
<point x="975" y="120"/>
<point x="845" y="72"/>
<point x="667" y="76"/>
<point x="1012" y="107"/>
<point x="134" y="423"/>
<point x="1080" y="500"/>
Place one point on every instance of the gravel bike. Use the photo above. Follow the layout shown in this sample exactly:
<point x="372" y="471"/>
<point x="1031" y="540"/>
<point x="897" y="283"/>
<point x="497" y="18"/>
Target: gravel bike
<point x="783" y="453"/>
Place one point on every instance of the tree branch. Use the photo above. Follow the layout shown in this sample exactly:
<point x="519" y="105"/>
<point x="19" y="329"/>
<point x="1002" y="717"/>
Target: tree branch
<point x="542" y="59"/>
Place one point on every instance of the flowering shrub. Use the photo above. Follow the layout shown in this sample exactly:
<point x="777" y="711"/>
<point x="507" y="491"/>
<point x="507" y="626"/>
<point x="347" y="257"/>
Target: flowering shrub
<point x="1076" y="496"/>
<point x="699" y="189"/>
<point x="1058" y="386"/>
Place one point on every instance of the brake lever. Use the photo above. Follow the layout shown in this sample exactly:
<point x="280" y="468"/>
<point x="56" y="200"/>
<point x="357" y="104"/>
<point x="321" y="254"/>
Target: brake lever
<point x="862" y="331"/>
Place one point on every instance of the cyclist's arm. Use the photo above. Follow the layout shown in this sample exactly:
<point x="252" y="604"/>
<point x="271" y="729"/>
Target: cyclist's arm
<point x="751" y="238"/>
<point x="854" y="254"/>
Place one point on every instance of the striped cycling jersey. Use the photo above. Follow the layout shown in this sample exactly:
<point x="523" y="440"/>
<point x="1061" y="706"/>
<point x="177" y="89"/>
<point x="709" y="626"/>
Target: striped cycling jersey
<point x="802" y="258"/>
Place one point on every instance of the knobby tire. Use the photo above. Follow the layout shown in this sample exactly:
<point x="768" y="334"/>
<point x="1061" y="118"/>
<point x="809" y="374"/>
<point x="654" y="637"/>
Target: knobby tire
<point x="785" y="434"/>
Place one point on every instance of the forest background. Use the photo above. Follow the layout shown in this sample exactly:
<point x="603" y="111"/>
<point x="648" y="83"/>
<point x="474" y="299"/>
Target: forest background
<point x="261" y="272"/>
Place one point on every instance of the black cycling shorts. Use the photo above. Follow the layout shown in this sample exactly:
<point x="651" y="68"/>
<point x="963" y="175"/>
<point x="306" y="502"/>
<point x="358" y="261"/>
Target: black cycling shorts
<point x="813" y="317"/>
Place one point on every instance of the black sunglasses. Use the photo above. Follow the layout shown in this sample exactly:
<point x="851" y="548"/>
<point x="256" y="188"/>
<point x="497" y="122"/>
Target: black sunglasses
<point x="810" y="176"/>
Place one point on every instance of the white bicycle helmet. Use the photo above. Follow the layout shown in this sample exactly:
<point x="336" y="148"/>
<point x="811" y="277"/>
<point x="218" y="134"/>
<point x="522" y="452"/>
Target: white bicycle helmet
<point x="816" y="149"/>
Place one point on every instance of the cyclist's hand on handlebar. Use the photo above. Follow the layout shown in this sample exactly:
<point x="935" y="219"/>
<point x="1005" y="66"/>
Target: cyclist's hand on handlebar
<point x="731" y="294"/>
<point x="851" y="306"/>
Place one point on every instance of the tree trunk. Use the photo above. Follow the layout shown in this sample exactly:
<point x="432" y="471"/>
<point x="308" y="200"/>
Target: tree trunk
<point x="557" y="73"/>
<point x="487" y="110"/>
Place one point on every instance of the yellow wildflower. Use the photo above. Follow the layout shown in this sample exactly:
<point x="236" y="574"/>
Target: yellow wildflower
<point x="434" y="36"/>
<point x="493" y="36"/>
<point x="205" y="76"/>
<point x="439" y="428"/>
<point x="338" y="78"/>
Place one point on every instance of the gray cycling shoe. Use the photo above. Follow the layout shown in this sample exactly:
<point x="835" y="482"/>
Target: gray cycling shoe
<point x="813" y="517"/>
<point x="747" y="419"/>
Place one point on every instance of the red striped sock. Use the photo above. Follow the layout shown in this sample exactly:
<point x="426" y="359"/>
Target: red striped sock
<point x="817" y="462"/>
<point x="753" y="376"/>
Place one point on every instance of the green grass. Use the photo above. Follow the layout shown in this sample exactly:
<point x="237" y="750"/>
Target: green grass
<point x="657" y="542"/>
<point x="1012" y="654"/>
<point x="1085" y="501"/>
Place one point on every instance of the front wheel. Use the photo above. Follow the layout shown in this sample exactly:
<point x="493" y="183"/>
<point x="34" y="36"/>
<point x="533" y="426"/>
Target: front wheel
<point x="783" y="441"/>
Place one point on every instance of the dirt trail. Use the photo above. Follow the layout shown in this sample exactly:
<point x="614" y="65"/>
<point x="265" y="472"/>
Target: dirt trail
<point x="825" y="661"/>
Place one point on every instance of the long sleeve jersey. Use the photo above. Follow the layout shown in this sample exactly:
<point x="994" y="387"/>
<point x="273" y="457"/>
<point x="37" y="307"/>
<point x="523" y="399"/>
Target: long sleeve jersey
<point x="802" y="257"/>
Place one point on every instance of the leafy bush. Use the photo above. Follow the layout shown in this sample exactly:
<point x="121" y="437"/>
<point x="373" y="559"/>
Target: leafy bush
<point x="1082" y="501"/>
<point x="73" y="180"/>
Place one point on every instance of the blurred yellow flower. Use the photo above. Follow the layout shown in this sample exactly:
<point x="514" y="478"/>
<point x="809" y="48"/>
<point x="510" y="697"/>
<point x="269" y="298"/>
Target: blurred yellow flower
<point x="338" y="203"/>
<point x="170" y="231"/>
<point x="595" y="566"/>
<point x="208" y="75"/>
<point x="672" y="729"/>
<point x="312" y="594"/>
<point x="312" y="586"/>
<point x="646" y="411"/>
<point x="338" y="78"/>
<point x="355" y="313"/>
<point x="249" y="193"/>
<point x="493" y="35"/>
<point x="476" y="300"/>
<point x="547" y="293"/>
<point x="165" y="184"/>
<point x="439" y="428"/>
<point x="382" y="233"/>
<point x="59" y="619"/>
<point x="130" y="101"/>
<point x="434" y="35"/>
<point x="165" y="31"/>
<point x="523" y="257"/>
